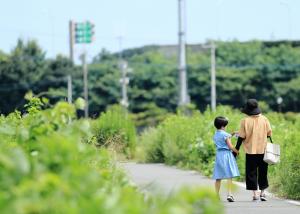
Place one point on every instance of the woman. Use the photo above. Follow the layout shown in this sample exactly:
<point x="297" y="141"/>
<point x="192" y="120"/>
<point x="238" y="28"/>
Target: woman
<point x="254" y="130"/>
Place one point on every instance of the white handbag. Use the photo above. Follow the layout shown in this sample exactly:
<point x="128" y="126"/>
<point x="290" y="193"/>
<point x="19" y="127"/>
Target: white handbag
<point x="272" y="153"/>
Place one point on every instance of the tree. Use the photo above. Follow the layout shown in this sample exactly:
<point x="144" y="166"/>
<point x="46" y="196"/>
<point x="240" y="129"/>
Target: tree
<point x="20" y="72"/>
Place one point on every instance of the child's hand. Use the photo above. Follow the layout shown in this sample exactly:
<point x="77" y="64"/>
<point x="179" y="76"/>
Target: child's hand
<point x="235" y="153"/>
<point x="235" y="134"/>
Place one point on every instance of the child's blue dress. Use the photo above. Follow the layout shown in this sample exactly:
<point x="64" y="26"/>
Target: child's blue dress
<point x="225" y="163"/>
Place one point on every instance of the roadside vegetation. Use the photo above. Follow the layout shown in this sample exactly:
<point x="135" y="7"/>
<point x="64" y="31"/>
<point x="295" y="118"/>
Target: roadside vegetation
<point x="53" y="163"/>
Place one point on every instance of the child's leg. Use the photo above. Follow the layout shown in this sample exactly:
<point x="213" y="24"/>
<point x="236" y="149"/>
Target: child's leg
<point x="218" y="185"/>
<point x="229" y="186"/>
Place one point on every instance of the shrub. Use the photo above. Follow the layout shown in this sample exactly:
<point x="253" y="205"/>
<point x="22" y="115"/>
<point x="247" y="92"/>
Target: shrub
<point x="149" y="148"/>
<point x="47" y="168"/>
<point x="115" y="129"/>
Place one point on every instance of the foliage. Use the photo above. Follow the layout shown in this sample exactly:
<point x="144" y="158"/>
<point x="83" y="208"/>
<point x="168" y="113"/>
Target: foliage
<point x="151" y="116"/>
<point x="187" y="142"/>
<point x="47" y="166"/>
<point x="115" y="129"/>
<point x="26" y="69"/>
<point x="149" y="148"/>
<point x="254" y="69"/>
<point x="287" y="174"/>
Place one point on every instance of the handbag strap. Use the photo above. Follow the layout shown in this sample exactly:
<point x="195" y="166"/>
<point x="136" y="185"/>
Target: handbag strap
<point x="270" y="139"/>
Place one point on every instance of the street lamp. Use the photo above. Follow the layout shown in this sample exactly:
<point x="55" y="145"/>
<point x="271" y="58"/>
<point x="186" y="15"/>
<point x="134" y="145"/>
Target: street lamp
<point x="279" y="102"/>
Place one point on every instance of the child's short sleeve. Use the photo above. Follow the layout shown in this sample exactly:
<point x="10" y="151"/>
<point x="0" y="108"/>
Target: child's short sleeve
<point x="226" y="135"/>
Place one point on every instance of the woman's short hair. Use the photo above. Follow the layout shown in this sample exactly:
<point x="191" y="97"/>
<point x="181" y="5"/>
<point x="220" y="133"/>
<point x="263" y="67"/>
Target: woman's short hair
<point x="220" y="122"/>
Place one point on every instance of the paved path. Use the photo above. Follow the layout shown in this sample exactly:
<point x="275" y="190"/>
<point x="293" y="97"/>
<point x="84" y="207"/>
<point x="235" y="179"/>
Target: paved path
<point x="158" y="177"/>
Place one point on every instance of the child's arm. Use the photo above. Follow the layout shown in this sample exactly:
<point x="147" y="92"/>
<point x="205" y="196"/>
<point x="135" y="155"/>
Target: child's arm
<point x="228" y="142"/>
<point x="235" y="134"/>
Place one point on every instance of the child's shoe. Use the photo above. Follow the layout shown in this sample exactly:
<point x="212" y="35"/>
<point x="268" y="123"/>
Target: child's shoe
<point x="230" y="198"/>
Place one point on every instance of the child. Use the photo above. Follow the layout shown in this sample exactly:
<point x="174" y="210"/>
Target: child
<point x="225" y="163"/>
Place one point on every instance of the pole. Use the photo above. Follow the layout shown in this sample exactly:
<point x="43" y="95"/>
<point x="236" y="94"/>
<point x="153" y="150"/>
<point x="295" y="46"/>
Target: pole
<point x="71" y="40"/>
<point x="213" y="76"/>
<point x="71" y="43"/>
<point x="85" y="84"/>
<point x="69" y="89"/>
<point x="124" y="80"/>
<point x="183" y="93"/>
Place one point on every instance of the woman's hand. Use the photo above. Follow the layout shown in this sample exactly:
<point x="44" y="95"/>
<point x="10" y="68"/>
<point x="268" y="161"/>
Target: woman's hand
<point x="228" y="142"/>
<point x="236" y="151"/>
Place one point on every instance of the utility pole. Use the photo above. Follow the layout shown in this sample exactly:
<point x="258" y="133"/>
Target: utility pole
<point x="71" y="44"/>
<point x="71" y="39"/>
<point x="85" y="84"/>
<point x="69" y="77"/>
<point x="213" y="91"/>
<point x="124" y="82"/>
<point x="213" y="76"/>
<point x="124" y="79"/>
<point x="183" y="86"/>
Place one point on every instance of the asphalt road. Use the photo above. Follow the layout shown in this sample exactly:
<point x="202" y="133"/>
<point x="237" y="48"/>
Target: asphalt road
<point x="159" y="178"/>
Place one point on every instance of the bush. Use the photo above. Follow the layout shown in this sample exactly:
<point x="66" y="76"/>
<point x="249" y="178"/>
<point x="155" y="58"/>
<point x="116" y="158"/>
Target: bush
<point x="149" y="148"/>
<point x="285" y="177"/>
<point x="116" y="130"/>
<point x="47" y="166"/>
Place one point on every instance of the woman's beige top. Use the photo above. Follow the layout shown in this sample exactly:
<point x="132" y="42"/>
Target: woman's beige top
<point x="255" y="129"/>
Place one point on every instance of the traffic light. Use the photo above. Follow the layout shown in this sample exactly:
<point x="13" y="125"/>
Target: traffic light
<point x="84" y="32"/>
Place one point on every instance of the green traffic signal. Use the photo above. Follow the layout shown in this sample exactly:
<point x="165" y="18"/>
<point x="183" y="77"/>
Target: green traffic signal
<point x="84" y="32"/>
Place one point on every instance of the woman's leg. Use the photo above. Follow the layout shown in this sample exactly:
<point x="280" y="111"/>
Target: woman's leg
<point x="263" y="178"/>
<point x="251" y="172"/>
<point x="218" y="185"/>
<point x="262" y="174"/>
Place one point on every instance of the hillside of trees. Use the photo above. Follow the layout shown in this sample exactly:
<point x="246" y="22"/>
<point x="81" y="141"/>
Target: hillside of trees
<point x="263" y="70"/>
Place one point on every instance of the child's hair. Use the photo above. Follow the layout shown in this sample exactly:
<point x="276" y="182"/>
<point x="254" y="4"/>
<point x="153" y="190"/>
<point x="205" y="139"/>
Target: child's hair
<point x="220" y="122"/>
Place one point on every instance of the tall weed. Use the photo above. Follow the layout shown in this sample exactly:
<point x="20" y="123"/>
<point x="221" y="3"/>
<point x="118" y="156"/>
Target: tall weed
<point x="115" y="129"/>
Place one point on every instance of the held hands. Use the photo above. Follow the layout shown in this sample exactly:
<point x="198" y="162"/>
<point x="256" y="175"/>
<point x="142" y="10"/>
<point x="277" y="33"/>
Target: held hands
<point x="235" y="152"/>
<point x="235" y="134"/>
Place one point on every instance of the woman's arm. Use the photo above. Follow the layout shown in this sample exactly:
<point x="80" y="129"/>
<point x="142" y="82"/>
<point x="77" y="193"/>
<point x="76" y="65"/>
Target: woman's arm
<point x="239" y="143"/>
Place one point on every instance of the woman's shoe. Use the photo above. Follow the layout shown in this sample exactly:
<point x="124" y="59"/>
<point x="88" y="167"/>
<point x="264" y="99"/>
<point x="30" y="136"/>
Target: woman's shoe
<point x="263" y="197"/>
<point x="230" y="198"/>
<point x="255" y="198"/>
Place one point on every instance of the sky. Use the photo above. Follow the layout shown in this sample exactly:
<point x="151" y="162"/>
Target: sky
<point x="144" y="22"/>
